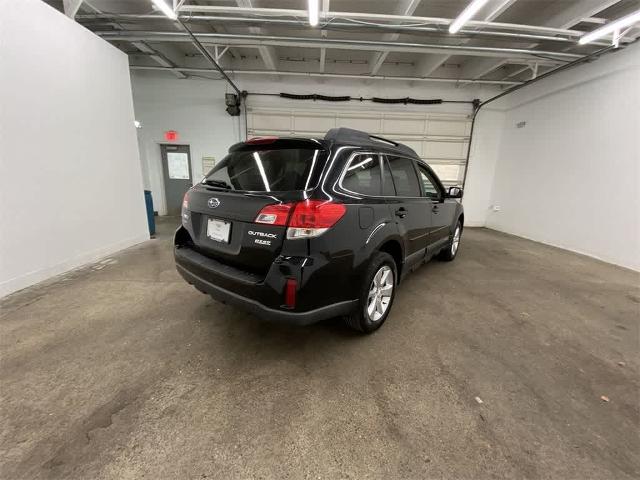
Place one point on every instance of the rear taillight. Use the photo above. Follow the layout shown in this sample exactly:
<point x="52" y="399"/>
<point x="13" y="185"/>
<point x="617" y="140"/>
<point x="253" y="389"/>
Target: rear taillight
<point x="305" y="219"/>
<point x="314" y="217"/>
<point x="275" y="214"/>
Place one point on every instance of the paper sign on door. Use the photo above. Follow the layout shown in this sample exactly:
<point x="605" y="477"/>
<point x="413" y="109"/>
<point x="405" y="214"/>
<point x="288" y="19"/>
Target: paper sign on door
<point x="178" y="165"/>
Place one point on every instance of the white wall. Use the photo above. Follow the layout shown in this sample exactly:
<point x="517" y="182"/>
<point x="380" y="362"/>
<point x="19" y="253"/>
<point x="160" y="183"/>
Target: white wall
<point x="195" y="108"/>
<point x="70" y="184"/>
<point x="485" y="147"/>
<point x="571" y="176"/>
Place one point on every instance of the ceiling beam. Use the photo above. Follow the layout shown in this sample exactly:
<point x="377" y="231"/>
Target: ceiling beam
<point x="218" y="54"/>
<point x="565" y="19"/>
<point x="158" y="57"/>
<point x="281" y="12"/>
<point x="323" y="60"/>
<point x="405" y="7"/>
<point x="71" y="7"/>
<point x="214" y="28"/>
<point x="495" y="8"/>
<point x="596" y="20"/>
<point x="540" y="70"/>
<point x="478" y="68"/>
<point x="576" y="11"/>
<point x="518" y="71"/>
<point x="329" y="75"/>
<point x="269" y="57"/>
<point x="323" y="33"/>
<point x="268" y="54"/>
<point x="342" y="44"/>
<point x="427" y="64"/>
<point x="342" y="25"/>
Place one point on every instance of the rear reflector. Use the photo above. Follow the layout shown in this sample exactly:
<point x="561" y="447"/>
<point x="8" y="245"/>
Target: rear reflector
<point x="290" y="293"/>
<point x="274" y="214"/>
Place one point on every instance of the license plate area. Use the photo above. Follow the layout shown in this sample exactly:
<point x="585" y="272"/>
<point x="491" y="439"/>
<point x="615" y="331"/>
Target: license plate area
<point x="218" y="230"/>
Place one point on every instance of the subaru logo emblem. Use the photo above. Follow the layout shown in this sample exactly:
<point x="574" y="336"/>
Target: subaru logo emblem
<point x="213" y="202"/>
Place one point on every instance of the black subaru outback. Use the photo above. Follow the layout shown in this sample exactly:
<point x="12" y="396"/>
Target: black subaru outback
<point x="300" y="230"/>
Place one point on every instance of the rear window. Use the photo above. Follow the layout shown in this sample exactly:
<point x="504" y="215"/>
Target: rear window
<point x="267" y="170"/>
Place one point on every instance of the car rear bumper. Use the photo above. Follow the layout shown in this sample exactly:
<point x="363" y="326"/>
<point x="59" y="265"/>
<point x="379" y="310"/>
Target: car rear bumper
<point x="228" y="285"/>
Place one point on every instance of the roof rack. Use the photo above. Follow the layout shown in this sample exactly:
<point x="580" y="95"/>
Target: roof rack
<point x="349" y="135"/>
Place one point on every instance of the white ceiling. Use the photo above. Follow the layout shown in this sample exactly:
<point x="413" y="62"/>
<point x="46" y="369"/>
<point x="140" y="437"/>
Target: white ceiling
<point x="351" y="39"/>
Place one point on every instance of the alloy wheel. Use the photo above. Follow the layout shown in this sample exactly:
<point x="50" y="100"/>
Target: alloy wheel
<point x="380" y="293"/>
<point x="456" y="241"/>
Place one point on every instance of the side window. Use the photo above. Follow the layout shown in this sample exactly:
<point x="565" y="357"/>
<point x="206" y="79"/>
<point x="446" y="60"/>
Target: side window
<point x="363" y="175"/>
<point x="388" y="190"/>
<point x="428" y="185"/>
<point x="404" y="177"/>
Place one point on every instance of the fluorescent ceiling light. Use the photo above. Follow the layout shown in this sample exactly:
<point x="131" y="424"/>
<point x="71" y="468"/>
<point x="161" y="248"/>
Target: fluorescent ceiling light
<point x="166" y="9"/>
<point x="619" y="24"/>
<point x="313" y="12"/>
<point x="466" y="15"/>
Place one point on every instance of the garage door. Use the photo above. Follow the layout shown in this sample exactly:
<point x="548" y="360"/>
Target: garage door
<point x="440" y="139"/>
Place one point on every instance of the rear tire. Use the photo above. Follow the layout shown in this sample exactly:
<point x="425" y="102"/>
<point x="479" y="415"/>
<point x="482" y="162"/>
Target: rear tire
<point x="450" y="252"/>
<point x="376" y="294"/>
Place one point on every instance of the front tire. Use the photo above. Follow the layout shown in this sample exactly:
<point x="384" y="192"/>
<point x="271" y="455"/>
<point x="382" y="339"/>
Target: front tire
<point x="449" y="253"/>
<point x="376" y="295"/>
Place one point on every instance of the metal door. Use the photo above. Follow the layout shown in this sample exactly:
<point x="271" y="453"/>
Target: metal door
<point x="176" y="170"/>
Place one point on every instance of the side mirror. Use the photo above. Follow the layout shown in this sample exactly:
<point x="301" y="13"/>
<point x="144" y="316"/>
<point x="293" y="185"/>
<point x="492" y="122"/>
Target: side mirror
<point x="454" y="192"/>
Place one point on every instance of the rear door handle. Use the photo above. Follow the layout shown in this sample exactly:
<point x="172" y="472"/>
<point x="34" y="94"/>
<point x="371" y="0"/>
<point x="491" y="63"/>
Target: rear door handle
<point x="401" y="212"/>
<point x="434" y="209"/>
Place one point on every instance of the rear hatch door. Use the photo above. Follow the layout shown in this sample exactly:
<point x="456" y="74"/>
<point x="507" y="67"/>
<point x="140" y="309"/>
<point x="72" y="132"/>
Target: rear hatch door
<point x="224" y="207"/>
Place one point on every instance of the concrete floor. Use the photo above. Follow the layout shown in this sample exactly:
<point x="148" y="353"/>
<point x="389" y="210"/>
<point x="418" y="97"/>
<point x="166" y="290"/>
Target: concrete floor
<point x="122" y="370"/>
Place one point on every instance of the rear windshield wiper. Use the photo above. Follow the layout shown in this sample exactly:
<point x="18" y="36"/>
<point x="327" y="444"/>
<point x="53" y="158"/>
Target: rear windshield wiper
<point x="218" y="183"/>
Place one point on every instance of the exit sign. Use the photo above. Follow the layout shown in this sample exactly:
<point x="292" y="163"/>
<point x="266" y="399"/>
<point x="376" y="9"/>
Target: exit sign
<point x="171" y="136"/>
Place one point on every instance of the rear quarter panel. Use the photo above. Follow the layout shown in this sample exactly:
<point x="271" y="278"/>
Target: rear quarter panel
<point x="347" y="247"/>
